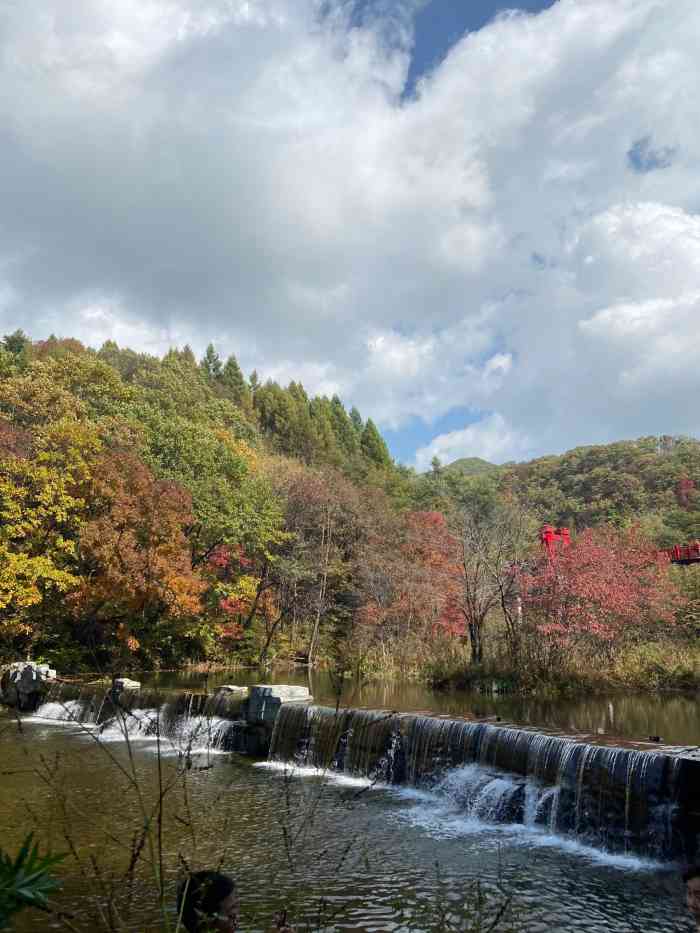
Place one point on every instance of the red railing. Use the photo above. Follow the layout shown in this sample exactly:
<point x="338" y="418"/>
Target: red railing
<point x="551" y="537"/>
<point x="684" y="553"/>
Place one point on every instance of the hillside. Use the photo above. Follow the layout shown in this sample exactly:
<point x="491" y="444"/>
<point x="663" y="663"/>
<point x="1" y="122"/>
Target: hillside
<point x="156" y="511"/>
<point x="654" y="480"/>
<point x="168" y="508"/>
<point x="470" y="466"/>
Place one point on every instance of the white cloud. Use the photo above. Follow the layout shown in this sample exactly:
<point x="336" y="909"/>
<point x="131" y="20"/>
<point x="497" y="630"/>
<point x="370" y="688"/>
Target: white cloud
<point x="491" y="439"/>
<point x="247" y="172"/>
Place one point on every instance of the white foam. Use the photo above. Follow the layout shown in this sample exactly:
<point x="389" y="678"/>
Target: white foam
<point x="464" y="804"/>
<point x="438" y="817"/>
<point x="69" y="711"/>
<point x="304" y="771"/>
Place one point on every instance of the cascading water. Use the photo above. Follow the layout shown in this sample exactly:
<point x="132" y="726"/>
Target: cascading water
<point x="184" y="723"/>
<point x="618" y="799"/>
<point x="622" y="800"/>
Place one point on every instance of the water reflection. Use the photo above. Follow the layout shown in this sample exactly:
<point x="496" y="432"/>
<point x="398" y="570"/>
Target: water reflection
<point x="672" y="717"/>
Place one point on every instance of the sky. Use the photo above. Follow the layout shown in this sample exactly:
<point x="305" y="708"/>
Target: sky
<point x="480" y="226"/>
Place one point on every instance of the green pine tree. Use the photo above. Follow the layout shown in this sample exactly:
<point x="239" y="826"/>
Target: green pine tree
<point x="356" y="419"/>
<point x="233" y="380"/>
<point x="374" y="446"/>
<point x="211" y="364"/>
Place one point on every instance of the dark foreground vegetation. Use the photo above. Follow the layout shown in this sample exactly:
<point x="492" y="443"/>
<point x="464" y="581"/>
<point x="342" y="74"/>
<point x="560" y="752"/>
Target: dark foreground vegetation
<point x="160" y="512"/>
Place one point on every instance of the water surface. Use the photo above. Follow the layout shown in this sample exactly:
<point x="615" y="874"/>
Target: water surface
<point x="339" y="854"/>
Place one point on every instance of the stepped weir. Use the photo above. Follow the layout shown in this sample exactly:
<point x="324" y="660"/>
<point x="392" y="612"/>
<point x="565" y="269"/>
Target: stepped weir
<point x="620" y="799"/>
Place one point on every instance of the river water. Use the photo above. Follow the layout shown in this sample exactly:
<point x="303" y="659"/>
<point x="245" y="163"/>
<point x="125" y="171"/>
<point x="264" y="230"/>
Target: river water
<point x="339" y="854"/>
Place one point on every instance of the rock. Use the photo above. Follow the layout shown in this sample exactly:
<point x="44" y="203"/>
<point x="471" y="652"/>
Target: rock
<point x="24" y="684"/>
<point x="232" y="688"/>
<point x="123" y="683"/>
<point x="265" y="701"/>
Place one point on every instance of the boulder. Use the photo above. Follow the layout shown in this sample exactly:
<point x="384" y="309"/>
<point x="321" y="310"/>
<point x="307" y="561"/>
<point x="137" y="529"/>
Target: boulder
<point x="24" y="684"/>
<point x="124" y="683"/>
<point x="265" y="700"/>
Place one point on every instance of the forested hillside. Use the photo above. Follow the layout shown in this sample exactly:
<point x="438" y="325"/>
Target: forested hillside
<point x="652" y="479"/>
<point x="155" y="512"/>
<point x="471" y="466"/>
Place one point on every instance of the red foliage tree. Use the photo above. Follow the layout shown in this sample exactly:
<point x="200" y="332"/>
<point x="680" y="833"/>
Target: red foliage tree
<point x="137" y="566"/>
<point x="686" y="492"/>
<point x="411" y="589"/>
<point x="606" y="584"/>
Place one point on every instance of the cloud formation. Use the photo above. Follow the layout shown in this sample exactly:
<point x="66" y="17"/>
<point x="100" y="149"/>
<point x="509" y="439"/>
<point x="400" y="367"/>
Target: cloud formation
<point x="520" y="239"/>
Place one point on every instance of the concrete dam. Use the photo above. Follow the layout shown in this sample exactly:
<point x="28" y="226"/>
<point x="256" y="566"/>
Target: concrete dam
<point x="618" y="798"/>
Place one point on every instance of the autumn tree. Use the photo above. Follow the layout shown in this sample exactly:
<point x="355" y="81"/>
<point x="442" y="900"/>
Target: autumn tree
<point x="322" y="511"/>
<point x="607" y="588"/>
<point x="135" y="560"/>
<point x="494" y="536"/>
<point x="44" y="479"/>
<point x="409" y="590"/>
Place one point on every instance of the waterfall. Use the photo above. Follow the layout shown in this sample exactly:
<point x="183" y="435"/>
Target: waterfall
<point x="618" y="799"/>
<point x="184" y="723"/>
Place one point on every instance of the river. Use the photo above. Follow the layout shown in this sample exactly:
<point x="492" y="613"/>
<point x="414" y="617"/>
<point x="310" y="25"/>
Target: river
<point x="339" y="854"/>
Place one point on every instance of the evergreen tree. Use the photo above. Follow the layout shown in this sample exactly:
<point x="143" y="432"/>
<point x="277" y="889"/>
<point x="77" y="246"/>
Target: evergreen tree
<point x="211" y="363"/>
<point x="373" y="445"/>
<point x="233" y="380"/>
<point x="343" y="427"/>
<point x="326" y="440"/>
<point x="356" y="419"/>
<point x="187" y="356"/>
<point x="16" y="342"/>
<point x="254" y="382"/>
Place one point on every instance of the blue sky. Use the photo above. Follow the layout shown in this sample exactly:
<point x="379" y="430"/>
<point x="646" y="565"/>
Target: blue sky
<point x="442" y="23"/>
<point x="438" y="26"/>
<point x="499" y="261"/>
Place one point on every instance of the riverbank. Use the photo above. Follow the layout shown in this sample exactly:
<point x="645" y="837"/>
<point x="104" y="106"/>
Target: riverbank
<point x="640" y="669"/>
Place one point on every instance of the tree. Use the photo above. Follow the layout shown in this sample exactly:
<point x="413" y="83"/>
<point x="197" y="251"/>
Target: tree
<point x="373" y="445"/>
<point x="608" y="586"/>
<point x="44" y="481"/>
<point x="409" y="590"/>
<point x="211" y="364"/>
<point x="357" y="422"/>
<point x="136" y="566"/>
<point x="344" y="428"/>
<point x="233" y="381"/>
<point x="17" y="342"/>
<point x="494" y="537"/>
<point x="231" y="503"/>
<point x="322" y="512"/>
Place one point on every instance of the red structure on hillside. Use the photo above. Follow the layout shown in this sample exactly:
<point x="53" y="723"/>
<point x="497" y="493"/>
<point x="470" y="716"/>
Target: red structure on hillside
<point x="551" y="537"/>
<point x="684" y="553"/>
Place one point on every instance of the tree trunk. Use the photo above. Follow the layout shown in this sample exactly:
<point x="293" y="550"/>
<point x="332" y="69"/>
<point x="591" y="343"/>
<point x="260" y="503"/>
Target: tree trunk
<point x="475" y="642"/>
<point x="262" y="660"/>
<point x="326" y="555"/>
